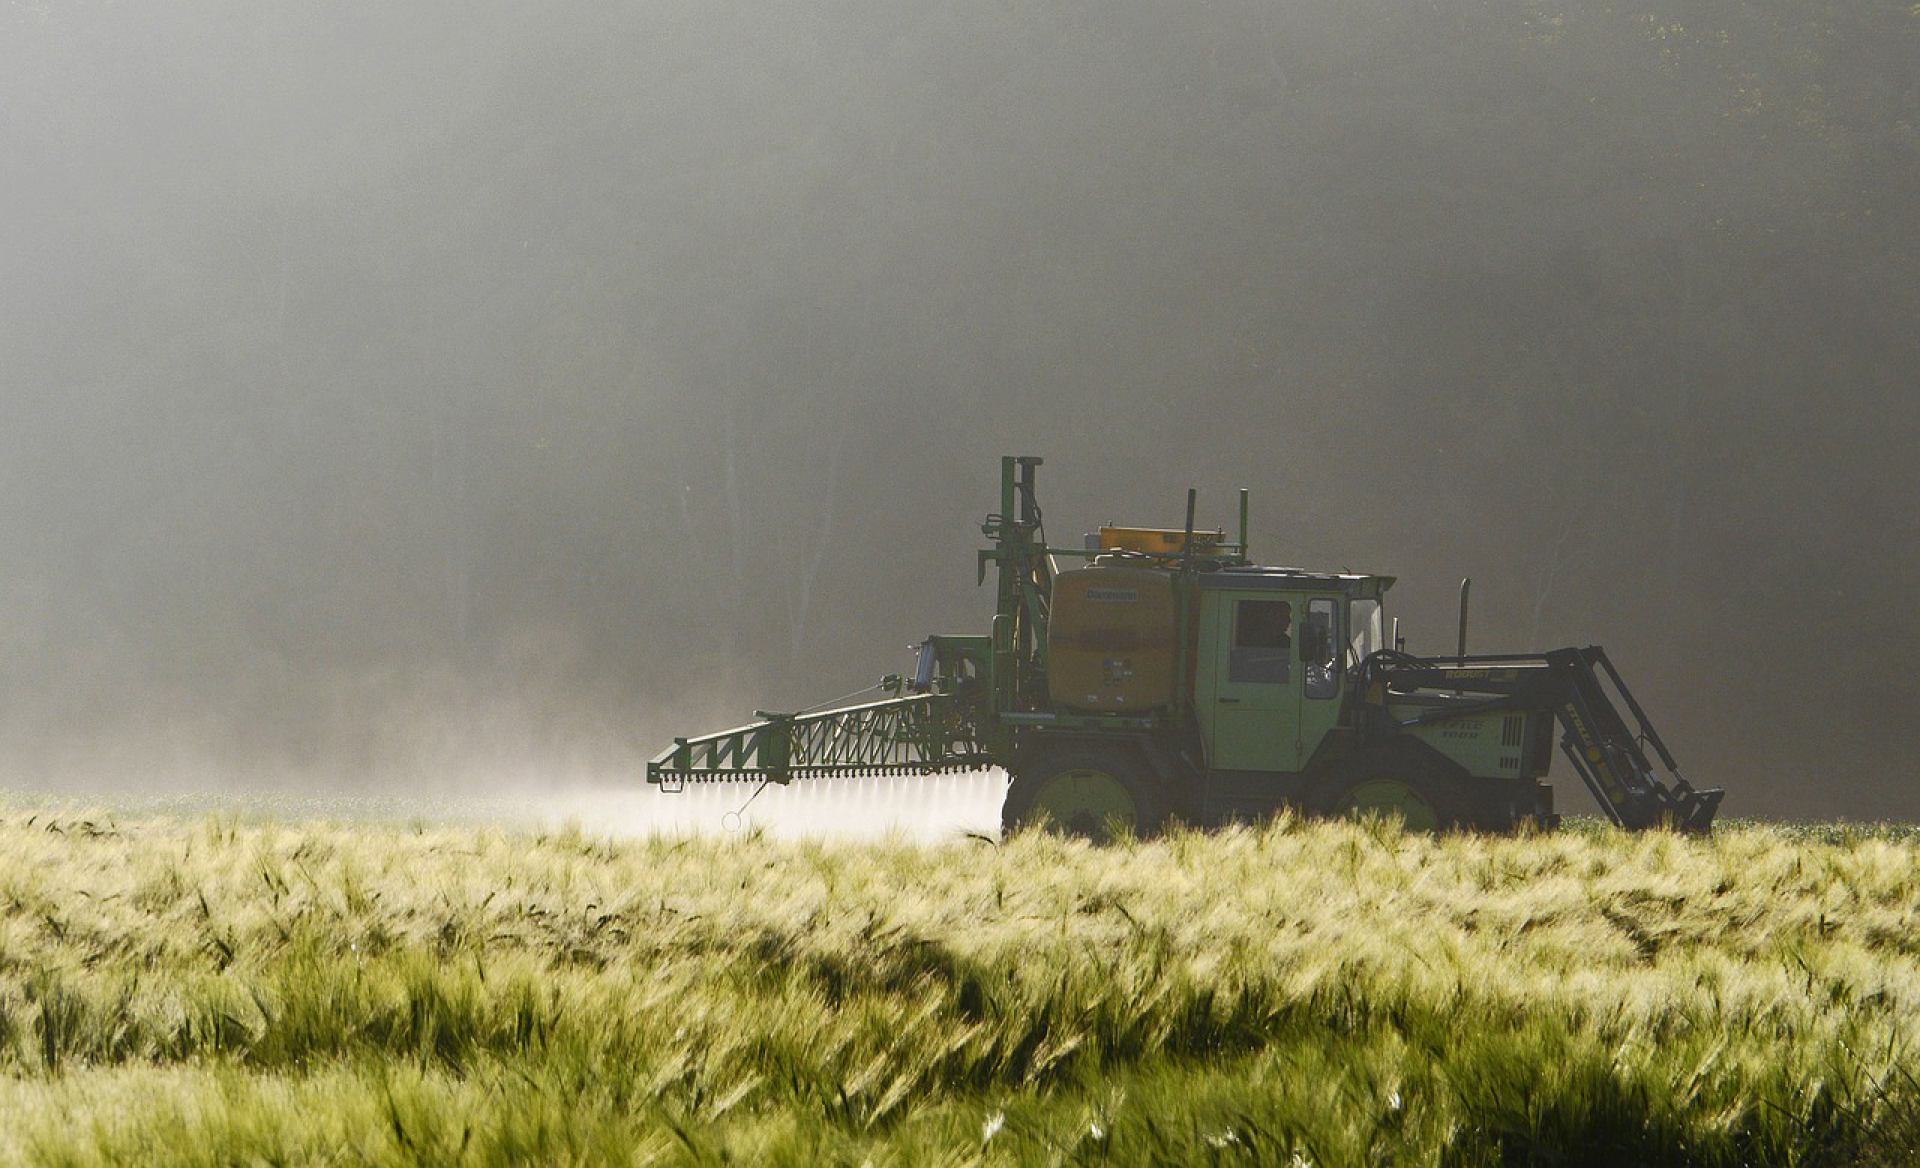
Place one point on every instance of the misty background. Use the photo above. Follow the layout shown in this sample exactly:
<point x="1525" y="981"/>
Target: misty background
<point x="458" y="395"/>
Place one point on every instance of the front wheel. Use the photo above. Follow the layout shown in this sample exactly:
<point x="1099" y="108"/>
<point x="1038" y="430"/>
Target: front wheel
<point x="1091" y="792"/>
<point x="1396" y="785"/>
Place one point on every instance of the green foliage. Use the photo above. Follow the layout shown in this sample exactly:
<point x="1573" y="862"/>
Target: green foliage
<point x="223" y="991"/>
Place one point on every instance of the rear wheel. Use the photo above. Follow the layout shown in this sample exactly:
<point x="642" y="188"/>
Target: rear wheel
<point x="1091" y="792"/>
<point x="1399" y="784"/>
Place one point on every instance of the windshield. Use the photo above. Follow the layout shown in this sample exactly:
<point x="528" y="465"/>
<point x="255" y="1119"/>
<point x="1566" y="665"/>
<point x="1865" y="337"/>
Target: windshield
<point x="1366" y="616"/>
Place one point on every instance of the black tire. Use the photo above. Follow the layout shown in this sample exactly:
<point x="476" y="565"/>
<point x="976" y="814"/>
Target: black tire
<point x="1085" y="791"/>
<point x="1417" y="788"/>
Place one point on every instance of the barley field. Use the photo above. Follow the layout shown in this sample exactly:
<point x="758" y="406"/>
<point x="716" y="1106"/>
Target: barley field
<point x="218" y="989"/>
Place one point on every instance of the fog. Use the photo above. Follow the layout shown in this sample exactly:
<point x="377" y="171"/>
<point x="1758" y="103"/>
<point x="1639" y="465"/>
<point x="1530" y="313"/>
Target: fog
<point x="464" y="398"/>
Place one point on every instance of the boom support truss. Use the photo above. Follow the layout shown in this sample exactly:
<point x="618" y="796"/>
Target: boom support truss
<point x="914" y="734"/>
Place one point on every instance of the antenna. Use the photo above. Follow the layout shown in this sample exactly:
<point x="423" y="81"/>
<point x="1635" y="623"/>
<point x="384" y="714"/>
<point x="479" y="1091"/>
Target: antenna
<point x="1244" y="554"/>
<point x="1466" y="586"/>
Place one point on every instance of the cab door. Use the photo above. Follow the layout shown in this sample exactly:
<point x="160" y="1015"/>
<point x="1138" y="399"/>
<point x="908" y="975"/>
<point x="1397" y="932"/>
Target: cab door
<point x="1256" y="684"/>
<point x="1321" y="661"/>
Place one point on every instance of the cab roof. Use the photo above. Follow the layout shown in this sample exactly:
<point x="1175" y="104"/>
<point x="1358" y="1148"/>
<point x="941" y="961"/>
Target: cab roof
<point x="1260" y="576"/>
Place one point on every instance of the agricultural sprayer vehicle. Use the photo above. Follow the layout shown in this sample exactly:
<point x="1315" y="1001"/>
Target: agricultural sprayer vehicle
<point x="1156" y="674"/>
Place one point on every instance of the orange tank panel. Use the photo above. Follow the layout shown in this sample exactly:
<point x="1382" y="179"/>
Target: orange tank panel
<point x="1110" y="640"/>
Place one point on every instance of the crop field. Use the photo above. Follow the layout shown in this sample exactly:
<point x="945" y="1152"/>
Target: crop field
<point x="219" y="990"/>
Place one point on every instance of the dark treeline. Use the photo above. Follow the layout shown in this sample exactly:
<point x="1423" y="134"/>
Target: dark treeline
<point x="435" y="388"/>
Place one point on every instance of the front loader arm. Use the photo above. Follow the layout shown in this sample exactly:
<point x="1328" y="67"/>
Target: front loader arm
<point x="1609" y="756"/>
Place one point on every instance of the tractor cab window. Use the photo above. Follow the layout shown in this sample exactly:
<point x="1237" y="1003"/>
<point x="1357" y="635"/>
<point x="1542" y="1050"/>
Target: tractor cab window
<point x="1365" y="636"/>
<point x="1262" y="642"/>
<point x="1321" y="648"/>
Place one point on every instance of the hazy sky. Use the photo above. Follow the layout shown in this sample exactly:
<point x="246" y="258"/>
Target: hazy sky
<point x="448" y="391"/>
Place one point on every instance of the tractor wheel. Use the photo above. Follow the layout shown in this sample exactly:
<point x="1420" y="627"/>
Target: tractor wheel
<point x="1090" y="792"/>
<point x="1400" y="784"/>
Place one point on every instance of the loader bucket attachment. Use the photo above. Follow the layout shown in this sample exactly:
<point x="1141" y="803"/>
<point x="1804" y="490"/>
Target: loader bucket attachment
<point x="1630" y="789"/>
<point x="1633" y="796"/>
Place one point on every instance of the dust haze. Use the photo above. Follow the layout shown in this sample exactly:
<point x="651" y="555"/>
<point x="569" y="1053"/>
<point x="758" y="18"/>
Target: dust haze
<point x="466" y="397"/>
